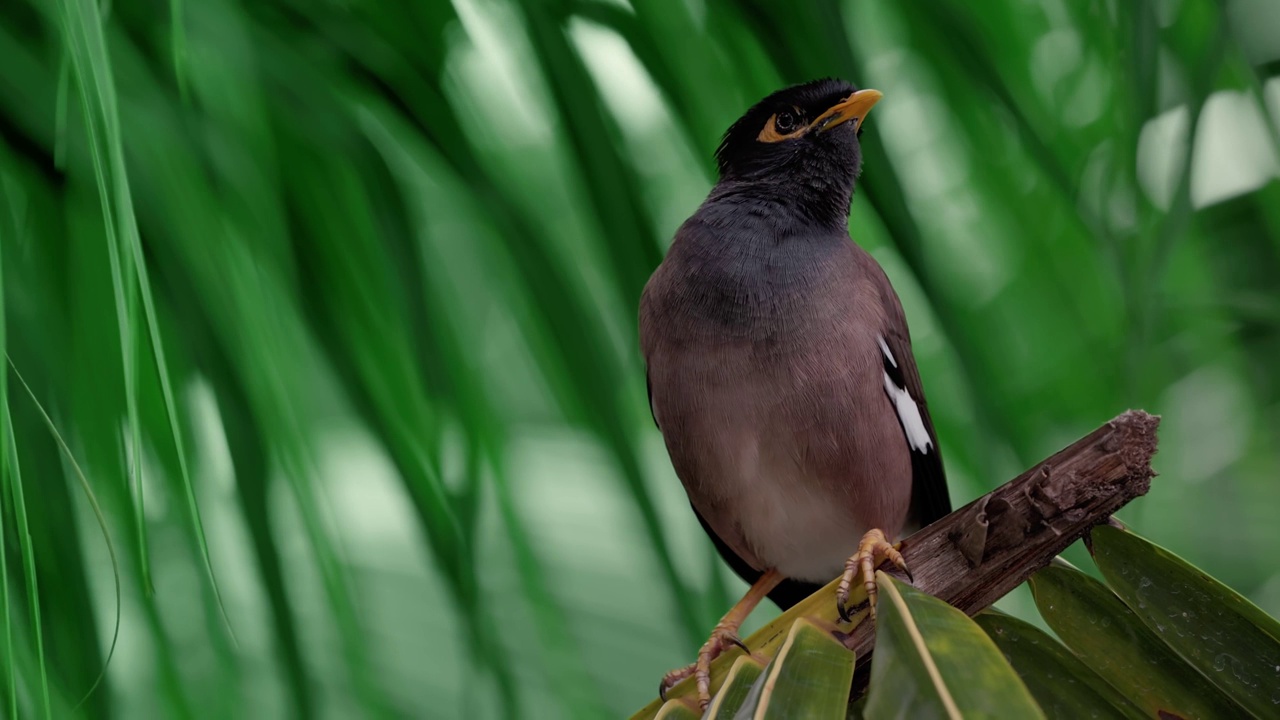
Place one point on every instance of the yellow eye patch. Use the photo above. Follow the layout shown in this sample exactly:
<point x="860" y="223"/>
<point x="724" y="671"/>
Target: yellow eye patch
<point x="772" y="133"/>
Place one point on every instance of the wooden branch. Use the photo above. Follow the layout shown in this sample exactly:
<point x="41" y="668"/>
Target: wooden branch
<point x="979" y="553"/>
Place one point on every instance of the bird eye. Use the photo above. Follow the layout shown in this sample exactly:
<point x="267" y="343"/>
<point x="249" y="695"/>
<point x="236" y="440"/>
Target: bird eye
<point x="783" y="125"/>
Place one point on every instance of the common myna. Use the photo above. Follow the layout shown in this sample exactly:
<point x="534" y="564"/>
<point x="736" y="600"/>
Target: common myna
<point x="780" y="369"/>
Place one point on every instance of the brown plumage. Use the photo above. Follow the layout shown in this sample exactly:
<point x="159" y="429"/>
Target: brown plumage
<point x="774" y="412"/>
<point x="779" y="361"/>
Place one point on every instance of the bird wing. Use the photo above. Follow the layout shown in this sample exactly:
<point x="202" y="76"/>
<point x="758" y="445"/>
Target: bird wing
<point x="930" y="499"/>
<point x="648" y="386"/>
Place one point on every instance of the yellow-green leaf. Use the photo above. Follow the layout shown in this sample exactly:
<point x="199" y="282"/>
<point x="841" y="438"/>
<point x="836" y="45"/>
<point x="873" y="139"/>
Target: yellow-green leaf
<point x="1227" y="638"/>
<point x="820" y="607"/>
<point x="1062" y="685"/>
<point x="1108" y="637"/>
<point x="808" y="678"/>
<point x="737" y="686"/>
<point x="932" y="661"/>
<point x="678" y="709"/>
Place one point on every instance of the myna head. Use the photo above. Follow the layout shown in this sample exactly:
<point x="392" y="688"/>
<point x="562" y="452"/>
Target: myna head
<point x="800" y="143"/>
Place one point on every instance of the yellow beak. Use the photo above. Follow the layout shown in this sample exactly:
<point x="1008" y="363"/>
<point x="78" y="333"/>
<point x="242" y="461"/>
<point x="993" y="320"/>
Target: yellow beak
<point x="855" y="107"/>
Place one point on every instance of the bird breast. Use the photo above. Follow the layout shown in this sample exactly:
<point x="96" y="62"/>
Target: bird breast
<point x="766" y="381"/>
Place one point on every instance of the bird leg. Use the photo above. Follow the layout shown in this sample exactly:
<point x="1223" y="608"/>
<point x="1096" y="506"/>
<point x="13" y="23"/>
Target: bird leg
<point x="724" y="635"/>
<point x="874" y="545"/>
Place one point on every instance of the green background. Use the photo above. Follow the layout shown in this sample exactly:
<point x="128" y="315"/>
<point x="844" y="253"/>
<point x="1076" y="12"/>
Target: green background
<point x="334" y="306"/>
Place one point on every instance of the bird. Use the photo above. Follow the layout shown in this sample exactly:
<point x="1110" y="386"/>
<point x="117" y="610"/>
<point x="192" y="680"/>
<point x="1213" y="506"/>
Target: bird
<point x="779" y="367"/>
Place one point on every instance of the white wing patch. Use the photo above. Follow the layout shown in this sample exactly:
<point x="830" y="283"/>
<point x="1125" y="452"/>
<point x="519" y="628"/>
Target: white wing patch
<point x="888" y="354"/>
<point x="908" y="411"/>
<point x="909" y="414"/>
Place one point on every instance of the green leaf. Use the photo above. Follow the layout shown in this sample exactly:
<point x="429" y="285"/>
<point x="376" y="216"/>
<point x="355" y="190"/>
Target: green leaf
<point x="90" y="497"/>
<point x="809" y="678"/>
<point x="1227" y="638"/>
<point x="769" y="639"/>
<point x="932" y="661"/>
<point x="10" y="670"/>
<point x="737" y="687"/>
<point x="13" y="478"/>
<point x="1063" y="686"/>
<point x="87" y="44"/>
<point x="677" y="709"/>
<point x="1109" y="638"/>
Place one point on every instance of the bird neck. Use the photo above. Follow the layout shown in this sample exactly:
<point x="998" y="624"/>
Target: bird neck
<point x="805" y="204"/>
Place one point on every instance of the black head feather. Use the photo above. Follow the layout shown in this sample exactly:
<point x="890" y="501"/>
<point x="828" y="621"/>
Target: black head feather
<point x="740" y="153"/>
<point x="813" y="172"/>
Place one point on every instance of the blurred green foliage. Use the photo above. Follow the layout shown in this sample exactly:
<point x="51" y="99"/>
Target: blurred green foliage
<point x="334" y="305"/>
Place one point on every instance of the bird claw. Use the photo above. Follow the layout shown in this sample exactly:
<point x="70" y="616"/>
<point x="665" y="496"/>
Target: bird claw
<point x="672" y="678"/>
<point x="864" y="562"/>
<point x="722" y="638"/>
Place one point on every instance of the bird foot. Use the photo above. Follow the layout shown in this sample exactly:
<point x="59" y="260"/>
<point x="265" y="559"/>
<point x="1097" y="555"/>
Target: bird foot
<point x="724" y="635"/>
<point x="873" y="550"/>
<point x="722" y="638"/>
